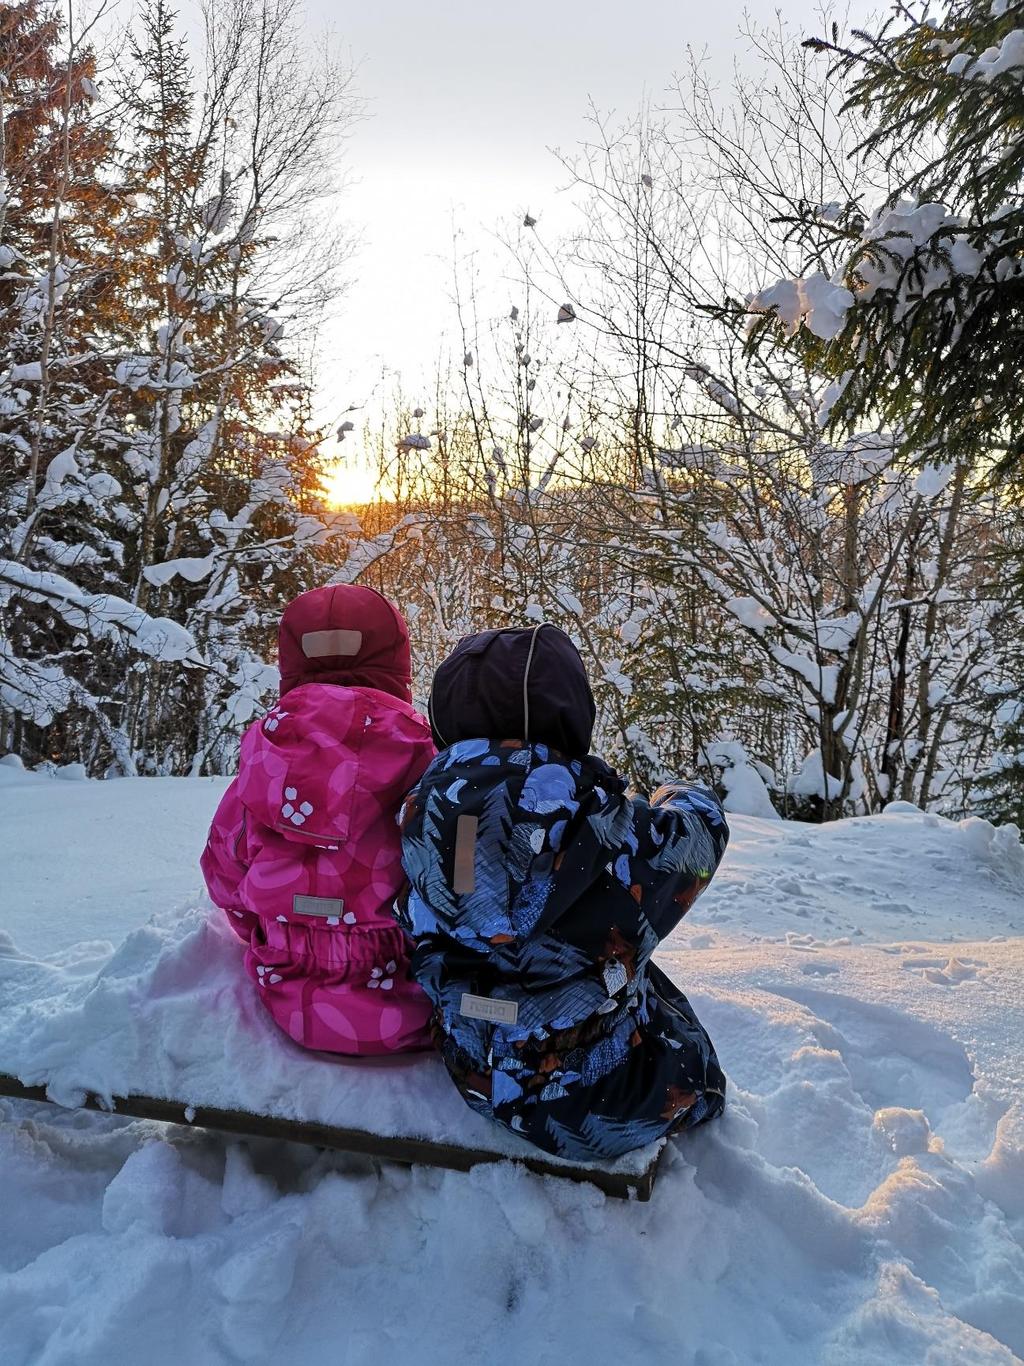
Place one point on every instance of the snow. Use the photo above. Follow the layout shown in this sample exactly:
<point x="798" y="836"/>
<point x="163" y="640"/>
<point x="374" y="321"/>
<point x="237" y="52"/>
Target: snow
<point x="820" y="678"/>
<point x="994" y="61"/>
<point x="31" y="373"/>
<point x="159" y="637"/>
<point x="61" y="467"/>
<point x="812" y="781"/>
<point x="817" y="302"/>
<point x="859" y="1202"/>
<point x="128" y="848"/>
<point x="193" y="568"/>
<point x="751" y="614"/>
<point x="943" y="247"/>
<point x="745" y="790"/>
<point x="933" y="479"/>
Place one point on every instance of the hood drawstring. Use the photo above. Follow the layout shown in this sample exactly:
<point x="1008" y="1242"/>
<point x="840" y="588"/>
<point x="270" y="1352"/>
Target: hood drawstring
<point x="430" y="717"/>
<point x="526" y="682"/>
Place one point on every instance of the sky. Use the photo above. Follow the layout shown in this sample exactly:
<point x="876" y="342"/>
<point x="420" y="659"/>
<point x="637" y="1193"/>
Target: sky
<point x="464" y="102"/>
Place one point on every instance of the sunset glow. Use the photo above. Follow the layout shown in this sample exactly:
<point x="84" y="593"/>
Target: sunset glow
<point x="350" y="483"/>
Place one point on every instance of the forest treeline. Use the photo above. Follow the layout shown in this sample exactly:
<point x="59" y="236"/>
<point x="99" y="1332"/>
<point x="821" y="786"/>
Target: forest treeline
<point x="718" y="434"/>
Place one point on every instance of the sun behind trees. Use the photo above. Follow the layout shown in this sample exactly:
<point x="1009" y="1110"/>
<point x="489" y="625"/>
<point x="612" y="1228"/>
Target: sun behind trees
<point x="819" y="621"/>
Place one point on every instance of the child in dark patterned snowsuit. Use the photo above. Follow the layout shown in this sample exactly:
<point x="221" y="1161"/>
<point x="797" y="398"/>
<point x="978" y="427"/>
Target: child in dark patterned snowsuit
<point x="539" y="891"/>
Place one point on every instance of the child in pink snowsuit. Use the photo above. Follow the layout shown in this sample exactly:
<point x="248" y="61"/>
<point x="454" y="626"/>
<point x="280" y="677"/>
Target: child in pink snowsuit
<point x="304" y="854"/>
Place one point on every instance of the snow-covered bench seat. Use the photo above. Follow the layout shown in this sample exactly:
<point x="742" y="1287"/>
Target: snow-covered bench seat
<point x="166" y="1027"/>
<point x="629" y="1178"/>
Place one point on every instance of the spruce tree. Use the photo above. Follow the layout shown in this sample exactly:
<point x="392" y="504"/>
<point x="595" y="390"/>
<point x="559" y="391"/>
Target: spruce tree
<point x="1002" y="784"/>
<point x="60" y="211"/>
<point x="164" y="497"/>
<point x="923" y="326"/>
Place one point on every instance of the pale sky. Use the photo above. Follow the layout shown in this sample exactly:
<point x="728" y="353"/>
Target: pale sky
<point x="464" y="99"/>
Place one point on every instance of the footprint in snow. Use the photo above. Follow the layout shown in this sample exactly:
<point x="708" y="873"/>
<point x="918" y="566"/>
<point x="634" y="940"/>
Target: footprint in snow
<point x="894" y="1059"/>
<point x="800" y="941"/>
<point x="946" y="972"/>
<point x="790" y="886"/>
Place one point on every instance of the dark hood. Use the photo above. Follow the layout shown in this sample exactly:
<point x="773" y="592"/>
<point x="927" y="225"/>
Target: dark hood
<point x="524" y="684"/>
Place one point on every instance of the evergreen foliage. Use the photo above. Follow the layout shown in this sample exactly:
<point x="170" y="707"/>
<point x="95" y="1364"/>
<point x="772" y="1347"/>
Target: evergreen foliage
<point x="161" y="488"/>
<point x="930" y="337"/>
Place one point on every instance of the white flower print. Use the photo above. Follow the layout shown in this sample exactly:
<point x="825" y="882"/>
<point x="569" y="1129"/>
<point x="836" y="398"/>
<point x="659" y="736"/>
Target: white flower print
<point x="296" y="813"/>
<point x="384" y="977"/>
<point x="273" y="718"/>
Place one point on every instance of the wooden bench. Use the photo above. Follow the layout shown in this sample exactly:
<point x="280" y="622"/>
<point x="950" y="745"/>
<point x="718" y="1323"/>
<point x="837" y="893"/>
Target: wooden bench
<point x="622" y="1185"/>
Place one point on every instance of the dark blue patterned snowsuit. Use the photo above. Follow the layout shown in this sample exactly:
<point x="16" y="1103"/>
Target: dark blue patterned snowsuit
<point x="566" y="887"/>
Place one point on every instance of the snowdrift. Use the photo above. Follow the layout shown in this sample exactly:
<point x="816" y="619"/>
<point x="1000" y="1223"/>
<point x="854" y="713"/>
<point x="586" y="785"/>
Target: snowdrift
<point x="859" y="1202"/>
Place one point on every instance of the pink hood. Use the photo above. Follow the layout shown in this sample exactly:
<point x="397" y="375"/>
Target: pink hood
<point x="327" y="765"/>
<point x="304" y="855"/>
<point x="347" y="634"/>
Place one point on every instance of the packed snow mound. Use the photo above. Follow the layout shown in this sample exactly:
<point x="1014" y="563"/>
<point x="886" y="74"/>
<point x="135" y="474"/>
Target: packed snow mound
<point x="859" y="1202"/>
<point x="746" y="791"/>
<point x="126" y="1023"/>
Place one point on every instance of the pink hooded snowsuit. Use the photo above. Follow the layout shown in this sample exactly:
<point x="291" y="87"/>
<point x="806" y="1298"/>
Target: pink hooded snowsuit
<point x="304" y="854"/>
